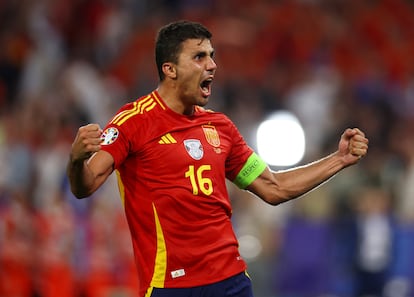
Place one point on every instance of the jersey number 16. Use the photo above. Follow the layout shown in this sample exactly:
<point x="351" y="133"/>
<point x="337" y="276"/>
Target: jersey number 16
<point x="198" y="182"/>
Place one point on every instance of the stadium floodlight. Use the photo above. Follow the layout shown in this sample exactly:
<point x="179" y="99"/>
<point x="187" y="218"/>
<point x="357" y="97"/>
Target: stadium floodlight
<point x="281" y="139"/>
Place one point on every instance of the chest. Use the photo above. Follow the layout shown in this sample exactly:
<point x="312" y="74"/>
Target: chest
<point x="199" y="144"/>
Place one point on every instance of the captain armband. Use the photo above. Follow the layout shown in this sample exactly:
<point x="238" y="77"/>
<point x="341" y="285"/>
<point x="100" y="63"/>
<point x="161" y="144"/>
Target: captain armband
<point x="253" y="167"/>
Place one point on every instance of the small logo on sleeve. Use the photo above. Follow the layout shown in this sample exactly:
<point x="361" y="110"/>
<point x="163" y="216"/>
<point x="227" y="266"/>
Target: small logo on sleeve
<point x="109" y="136"/>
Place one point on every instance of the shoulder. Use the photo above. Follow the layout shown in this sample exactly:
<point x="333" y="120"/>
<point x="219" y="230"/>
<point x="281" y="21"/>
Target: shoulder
<point x="139" y="109"/>
<point x="201" y="111"/>
<point x="216" y="118"/>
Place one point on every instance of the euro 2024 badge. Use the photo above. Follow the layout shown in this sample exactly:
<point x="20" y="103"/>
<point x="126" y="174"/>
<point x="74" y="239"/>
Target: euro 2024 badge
<point x="194" y="148"/>
<point x="109" y="135"/>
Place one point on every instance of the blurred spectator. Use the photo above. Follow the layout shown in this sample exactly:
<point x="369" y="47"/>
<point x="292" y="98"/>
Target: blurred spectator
<point x="54" y="271"/>
<point x="374" y="237"/>
<point x="16" y="248"/>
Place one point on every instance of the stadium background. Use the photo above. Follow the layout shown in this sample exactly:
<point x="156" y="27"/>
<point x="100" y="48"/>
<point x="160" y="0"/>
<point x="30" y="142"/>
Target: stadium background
<point x="333" y="63"/>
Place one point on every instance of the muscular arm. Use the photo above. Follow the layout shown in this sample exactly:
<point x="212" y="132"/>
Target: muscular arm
<point x="277" y="187"/>
<point x="88" y="167"/>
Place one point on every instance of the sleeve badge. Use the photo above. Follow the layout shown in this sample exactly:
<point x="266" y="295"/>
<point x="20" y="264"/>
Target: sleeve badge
<point x="109" y="136"/>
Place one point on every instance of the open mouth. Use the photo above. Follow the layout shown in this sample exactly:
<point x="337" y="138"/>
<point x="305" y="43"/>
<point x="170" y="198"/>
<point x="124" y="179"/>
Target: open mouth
<point x="206" y="87"/>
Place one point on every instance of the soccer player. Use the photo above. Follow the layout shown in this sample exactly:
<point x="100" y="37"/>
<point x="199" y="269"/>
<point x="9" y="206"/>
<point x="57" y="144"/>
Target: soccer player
<point x="172" y="158"/>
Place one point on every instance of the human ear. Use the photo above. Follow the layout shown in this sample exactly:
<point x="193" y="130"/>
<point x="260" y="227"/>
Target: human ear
<point x="169" y="70"/>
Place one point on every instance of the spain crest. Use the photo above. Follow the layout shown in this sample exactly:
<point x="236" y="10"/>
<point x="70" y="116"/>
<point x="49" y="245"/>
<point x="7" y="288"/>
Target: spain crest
<point x="211" y="135"/>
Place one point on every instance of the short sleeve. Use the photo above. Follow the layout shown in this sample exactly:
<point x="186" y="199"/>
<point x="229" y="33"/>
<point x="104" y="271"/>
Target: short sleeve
<point x="243" y="165"/>
<point x="114" y="140"/>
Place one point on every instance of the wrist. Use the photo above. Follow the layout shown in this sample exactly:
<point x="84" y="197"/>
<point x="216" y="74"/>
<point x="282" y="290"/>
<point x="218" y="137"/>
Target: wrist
<point x="76" y="161"/>
<point x="338" y="162"/>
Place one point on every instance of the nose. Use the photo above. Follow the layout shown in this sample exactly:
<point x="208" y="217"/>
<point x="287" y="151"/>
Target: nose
<point x="211" y="64"/>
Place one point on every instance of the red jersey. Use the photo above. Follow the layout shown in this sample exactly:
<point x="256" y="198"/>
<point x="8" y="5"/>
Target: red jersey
<point x="172" y="170"/>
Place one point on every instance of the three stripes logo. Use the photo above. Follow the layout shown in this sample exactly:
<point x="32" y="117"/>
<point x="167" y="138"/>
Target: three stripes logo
<point x="167" y="139"/>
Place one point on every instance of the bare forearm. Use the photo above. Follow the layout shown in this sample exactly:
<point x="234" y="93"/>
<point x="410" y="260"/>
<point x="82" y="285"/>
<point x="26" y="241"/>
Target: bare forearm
<point x="278" y="187"/>
<point x="296" y="182"/>
<point x="81" y="179"/>
<point x="88" y="165"/>
<point x="281" y="186"/>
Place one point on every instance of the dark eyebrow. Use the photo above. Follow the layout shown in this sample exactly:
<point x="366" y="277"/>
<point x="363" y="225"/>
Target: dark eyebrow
<point x="204" y="54"/>
<point x="200" y="54"/>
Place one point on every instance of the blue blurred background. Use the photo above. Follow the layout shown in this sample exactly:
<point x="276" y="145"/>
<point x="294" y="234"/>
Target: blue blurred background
<point x="333" y="63"/>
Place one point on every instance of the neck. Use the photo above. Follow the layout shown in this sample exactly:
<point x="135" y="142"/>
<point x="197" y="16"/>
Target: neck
<point x="173" y="100"/>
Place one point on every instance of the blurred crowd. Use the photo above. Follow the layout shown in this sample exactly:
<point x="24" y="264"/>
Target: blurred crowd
<point x="333" y="63"/>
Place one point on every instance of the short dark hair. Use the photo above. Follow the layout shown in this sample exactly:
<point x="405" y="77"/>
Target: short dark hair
<point x="170" y="38"/>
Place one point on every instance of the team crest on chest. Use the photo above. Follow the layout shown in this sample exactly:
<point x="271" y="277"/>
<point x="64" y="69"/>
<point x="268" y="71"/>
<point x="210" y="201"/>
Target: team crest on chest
<point x="194" y="148"/>
<point x="211" y="135"/>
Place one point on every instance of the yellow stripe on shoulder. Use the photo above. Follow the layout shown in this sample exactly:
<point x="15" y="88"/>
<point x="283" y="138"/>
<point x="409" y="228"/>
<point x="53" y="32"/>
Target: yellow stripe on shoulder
<point x="159" y="101"/>
<point x="139" y="107"/>
<point x="123" y="113"/>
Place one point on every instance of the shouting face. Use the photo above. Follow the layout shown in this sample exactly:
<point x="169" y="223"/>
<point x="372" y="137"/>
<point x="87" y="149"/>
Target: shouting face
<point x="195" y="71"/>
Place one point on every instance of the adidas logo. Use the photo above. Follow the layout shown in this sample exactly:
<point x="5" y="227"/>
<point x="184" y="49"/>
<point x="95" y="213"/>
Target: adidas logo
<point x="167" y="139"/>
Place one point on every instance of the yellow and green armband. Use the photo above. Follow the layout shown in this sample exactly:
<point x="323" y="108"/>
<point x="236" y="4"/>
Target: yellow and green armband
<point x="253" y="167"/>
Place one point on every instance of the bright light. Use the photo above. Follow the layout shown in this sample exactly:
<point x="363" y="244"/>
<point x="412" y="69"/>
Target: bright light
<point x="249" y="247"/>
<point x="281" y="139"/>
